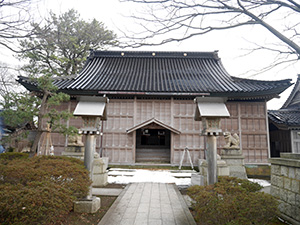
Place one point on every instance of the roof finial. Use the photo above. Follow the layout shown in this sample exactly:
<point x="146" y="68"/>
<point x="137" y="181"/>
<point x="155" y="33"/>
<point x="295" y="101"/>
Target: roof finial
<point x="91" y="53"/>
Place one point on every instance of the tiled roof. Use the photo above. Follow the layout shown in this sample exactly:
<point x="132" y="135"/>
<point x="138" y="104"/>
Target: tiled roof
<point x="60" y="82"/>
<point x="293" y="101"/>
<point x="168" y="73"/>
<point x="289" y="114"/>
<point x="288" y="117"/>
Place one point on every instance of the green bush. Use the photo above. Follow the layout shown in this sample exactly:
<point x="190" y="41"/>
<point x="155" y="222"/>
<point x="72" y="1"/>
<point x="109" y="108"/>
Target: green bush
<point x="13" y="155"/>
<point x="232" y="201"/>
<point x="40" y="190"/>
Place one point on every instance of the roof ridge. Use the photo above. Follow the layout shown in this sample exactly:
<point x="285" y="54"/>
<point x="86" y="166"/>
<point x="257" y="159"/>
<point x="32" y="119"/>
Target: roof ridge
<point x="157" y="54"/>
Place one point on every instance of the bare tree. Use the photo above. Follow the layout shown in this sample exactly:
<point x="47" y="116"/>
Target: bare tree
<point x="198" y="17"/>
<point x="14" y="17"/>
<point x="8" y="83"/>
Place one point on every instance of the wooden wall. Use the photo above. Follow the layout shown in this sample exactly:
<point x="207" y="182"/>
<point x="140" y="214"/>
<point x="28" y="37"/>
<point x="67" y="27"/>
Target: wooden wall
<point x="295" y="139"/>
<point x="248" y="120"/>
<point x="280" y="141"/>
<point x="117" y="144"/>
<point x="254" y="131"/>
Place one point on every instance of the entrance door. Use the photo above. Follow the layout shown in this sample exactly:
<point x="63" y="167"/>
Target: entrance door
<point x="153" y="145"/>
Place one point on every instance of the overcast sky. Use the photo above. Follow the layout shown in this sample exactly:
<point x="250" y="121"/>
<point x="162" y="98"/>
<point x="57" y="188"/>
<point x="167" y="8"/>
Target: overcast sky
<point x="231" y="44"/>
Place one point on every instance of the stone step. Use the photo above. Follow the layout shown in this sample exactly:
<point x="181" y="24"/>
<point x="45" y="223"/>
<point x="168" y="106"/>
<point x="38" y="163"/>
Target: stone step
<point x="152" y="150"/>
<point x="153" y="155"/>
<point x="154" y="160"/>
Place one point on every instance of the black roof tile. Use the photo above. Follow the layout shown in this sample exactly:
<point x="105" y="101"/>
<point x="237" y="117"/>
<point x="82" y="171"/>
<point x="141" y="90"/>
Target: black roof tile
<point x="162" y="72"/>
<point x="288" y="117"/>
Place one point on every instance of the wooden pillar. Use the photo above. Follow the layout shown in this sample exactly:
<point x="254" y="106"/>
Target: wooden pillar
<point x="172" y="111"/>
<point x="172" y="147"/>
<point x="134" y="146"/>
<point x="68" y="123"/>
<point x="171" y="133"/>
<point x="267" y="129"/>
<point x="134" y="133"/>
<point x="240" y="125"/>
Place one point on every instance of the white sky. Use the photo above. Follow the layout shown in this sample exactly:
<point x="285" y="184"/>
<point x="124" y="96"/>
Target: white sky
<point x="231" y="44"/>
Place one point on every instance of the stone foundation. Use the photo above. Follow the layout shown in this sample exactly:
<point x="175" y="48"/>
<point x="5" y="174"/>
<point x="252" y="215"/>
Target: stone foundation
<point x="100" y="174"/>
<point x="74" y="151"/>
<point x="285" y="185"/>
<point x="235" y="161"/>
<point x="201" y="177"/>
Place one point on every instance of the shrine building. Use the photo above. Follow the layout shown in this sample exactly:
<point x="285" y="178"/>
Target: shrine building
<point x="150" y="114"/>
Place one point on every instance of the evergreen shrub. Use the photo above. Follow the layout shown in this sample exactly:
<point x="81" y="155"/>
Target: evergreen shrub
<point x="232" y="201"/>
<point x="40" y="190"/>
<point x="13" y="155"/>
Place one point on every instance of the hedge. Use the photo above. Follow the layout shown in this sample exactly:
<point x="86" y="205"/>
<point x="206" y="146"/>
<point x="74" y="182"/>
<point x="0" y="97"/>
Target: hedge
<point x="40" y="190"/>
<point x="12" y="155"/>
<point x="232" y="201"/>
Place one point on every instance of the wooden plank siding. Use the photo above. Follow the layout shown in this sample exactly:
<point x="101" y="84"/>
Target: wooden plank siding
<point x="280" y="142"/>
<point x="254" y="132"/>
<point x="295" y="139"/>
<point x="248" y="119"/>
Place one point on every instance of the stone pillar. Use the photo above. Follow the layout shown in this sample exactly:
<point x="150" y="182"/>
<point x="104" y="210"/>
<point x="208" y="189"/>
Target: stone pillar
<point x="92" y="110"/>
<point x="211" y="157"/>
<point x="90" y="204"/>
<point x="210" y="110"/>
<point x="89" y="151"/>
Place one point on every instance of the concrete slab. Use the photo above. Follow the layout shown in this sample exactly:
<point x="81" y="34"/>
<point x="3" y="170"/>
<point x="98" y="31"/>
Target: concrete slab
<point x="149" y="203"/>
<point x="107" y="191"/>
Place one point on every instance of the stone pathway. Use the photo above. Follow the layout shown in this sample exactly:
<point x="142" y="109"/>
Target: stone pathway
<point x="149" y="203"/>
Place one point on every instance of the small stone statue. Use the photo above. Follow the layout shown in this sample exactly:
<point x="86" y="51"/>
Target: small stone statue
<point x="75" y="140"/>
<point x="232" y="141"/>
<point x="96" y="155"/>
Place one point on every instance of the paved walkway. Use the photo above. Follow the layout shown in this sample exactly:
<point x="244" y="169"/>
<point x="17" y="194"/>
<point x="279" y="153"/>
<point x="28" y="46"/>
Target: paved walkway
<point x="151" y="204"/>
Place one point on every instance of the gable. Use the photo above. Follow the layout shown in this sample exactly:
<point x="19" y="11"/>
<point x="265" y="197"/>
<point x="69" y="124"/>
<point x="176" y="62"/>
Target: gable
<point x="154" y="124"/>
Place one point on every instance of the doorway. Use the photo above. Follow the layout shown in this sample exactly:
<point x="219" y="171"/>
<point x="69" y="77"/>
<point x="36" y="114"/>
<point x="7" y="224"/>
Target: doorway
<point x="153" y="145"/>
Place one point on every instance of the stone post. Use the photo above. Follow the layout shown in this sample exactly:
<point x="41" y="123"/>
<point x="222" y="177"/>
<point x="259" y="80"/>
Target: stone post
<point x="210" y="110"/>
<point x="92" y="110"/>
<point x="88" y="157"/>
<point x="211" y="157"/>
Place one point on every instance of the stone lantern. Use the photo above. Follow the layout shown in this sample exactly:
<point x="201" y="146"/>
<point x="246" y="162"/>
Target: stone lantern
<point x="92" y="110"/>
<point x="210" y="110"/>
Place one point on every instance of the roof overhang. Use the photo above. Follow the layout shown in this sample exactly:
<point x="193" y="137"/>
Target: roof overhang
<point x="91" y="106"/>
<point x="155" y="121"/>
<point x="210" y="107"/>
